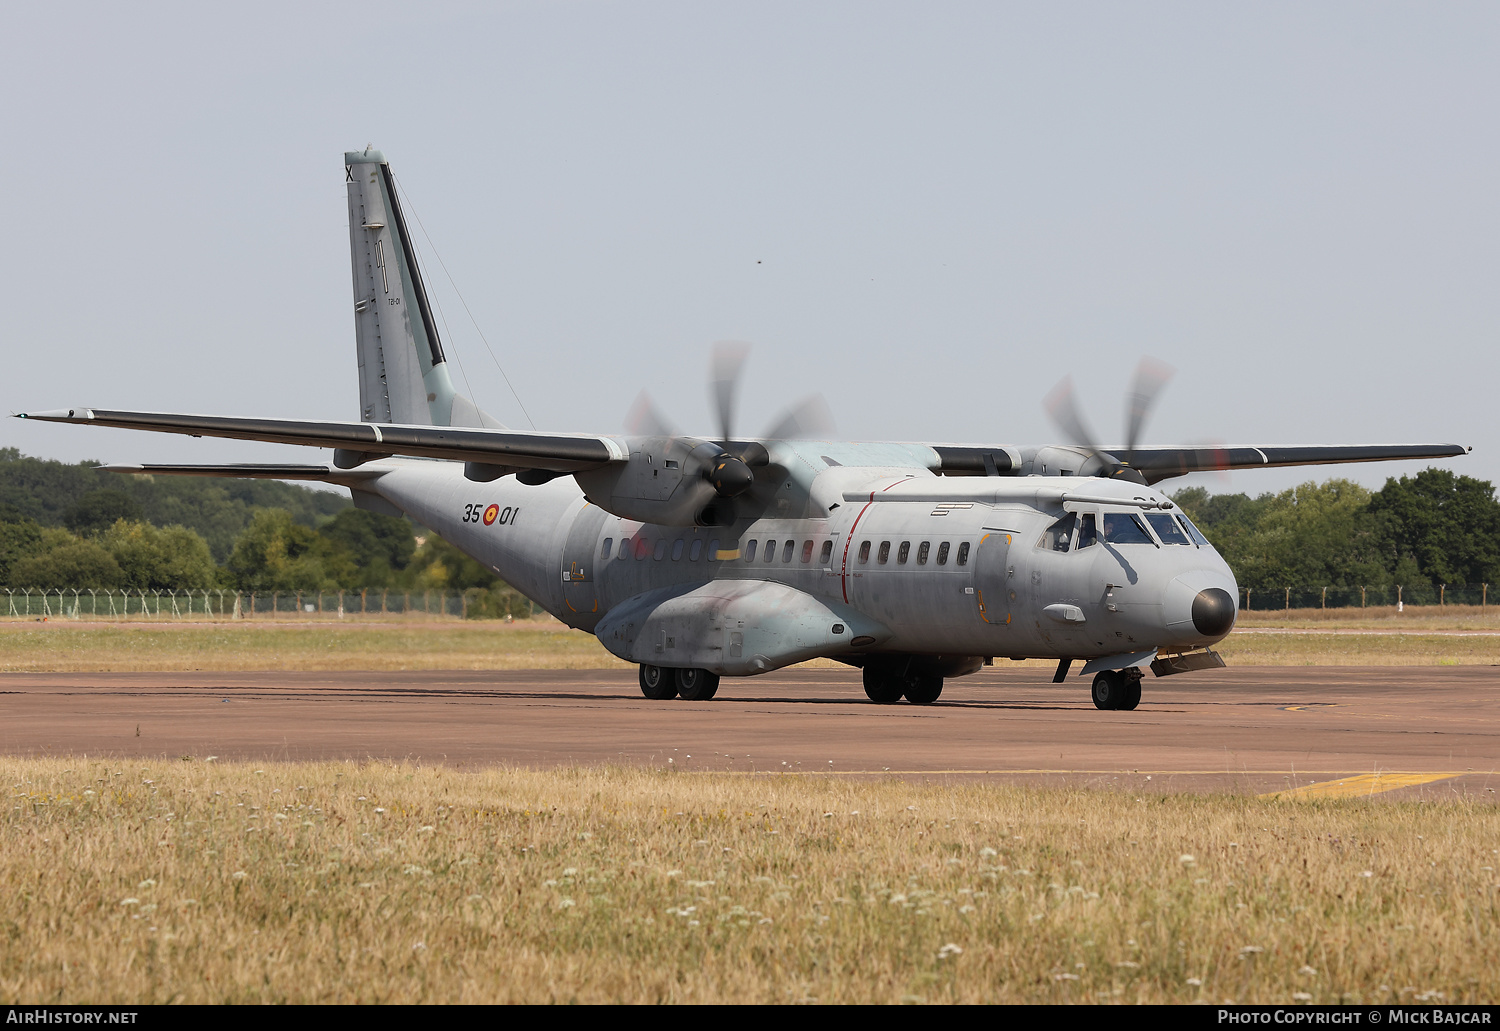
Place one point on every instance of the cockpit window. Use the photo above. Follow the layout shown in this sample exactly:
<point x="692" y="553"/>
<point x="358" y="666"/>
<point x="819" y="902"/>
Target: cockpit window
<point x="1167" y="529"/>
<point x="1198" y="538"/>
<point x="1088" y="533"/>
<point x="1125" y="528"/>
<point x="1059" y="536"/>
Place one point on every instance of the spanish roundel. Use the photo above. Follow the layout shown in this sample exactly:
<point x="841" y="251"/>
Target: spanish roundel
<point x="490" y="514"/>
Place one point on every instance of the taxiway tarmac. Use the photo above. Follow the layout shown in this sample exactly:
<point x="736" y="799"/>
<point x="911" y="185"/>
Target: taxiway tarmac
<point x="1250" y="730"/>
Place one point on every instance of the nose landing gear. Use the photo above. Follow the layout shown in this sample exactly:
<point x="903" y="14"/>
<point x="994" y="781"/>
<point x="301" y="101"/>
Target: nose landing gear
<point x="1117" y="689"/>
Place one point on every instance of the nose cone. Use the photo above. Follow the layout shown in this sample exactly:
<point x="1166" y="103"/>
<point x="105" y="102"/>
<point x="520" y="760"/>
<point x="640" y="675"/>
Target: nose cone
<point x="1199" y="608"/>
<point x="1213" y="612"/>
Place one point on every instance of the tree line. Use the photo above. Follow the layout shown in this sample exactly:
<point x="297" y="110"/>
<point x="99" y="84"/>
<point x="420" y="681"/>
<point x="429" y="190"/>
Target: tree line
<point x="71" y="526"/>
<point x="1424" y="530"/>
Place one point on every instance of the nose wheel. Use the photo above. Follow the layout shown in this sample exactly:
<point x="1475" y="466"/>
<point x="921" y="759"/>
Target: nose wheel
<point x="1117" y="689"/>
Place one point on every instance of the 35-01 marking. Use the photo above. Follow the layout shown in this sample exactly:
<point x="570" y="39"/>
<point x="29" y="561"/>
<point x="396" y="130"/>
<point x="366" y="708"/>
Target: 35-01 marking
<point x="489" y="515"/>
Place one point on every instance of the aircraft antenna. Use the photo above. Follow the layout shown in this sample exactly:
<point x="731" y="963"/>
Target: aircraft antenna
<point x="447" y="330"/>
<point x="444" y="265"/>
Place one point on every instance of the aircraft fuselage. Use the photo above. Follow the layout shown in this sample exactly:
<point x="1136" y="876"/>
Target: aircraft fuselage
<point x="959" y="578"/>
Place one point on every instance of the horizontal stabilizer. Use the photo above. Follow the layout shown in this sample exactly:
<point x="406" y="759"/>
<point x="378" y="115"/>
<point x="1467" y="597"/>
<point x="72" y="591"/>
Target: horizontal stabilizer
<point x="250" y="471"/>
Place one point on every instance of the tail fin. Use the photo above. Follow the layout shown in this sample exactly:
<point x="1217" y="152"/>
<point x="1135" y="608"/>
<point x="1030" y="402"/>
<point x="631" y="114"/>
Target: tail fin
<point x="403" y="374"/>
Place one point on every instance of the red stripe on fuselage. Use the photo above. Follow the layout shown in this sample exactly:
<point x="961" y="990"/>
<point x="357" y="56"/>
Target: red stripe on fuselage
<point x="849" y="540"/>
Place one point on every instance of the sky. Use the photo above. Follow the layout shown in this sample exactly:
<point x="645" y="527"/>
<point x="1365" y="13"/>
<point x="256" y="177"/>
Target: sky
<point x="928" y="213"/>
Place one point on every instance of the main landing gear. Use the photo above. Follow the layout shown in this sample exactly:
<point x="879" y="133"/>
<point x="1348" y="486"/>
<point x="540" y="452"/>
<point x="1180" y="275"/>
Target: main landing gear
<point x="888" y="684"/>
<point x="1117" y="689"/>
<point x="660" y="683"/>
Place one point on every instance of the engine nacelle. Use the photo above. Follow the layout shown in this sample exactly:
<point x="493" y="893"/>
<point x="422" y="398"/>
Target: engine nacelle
<point x="673" y="481"/>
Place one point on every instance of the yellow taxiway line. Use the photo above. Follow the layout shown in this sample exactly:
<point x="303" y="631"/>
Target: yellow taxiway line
<point x="1364" y="784"/>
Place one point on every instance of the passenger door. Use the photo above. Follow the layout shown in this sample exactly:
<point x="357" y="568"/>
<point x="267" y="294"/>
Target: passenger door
<point x="580" y="558"/>
<point x="994" y="593"/>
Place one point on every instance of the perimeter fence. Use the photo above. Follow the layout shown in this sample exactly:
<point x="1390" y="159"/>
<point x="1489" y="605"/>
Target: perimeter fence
<point x="509" y="604"/>
<point x="1259" y="599"/>
<point x="65" y="603"/>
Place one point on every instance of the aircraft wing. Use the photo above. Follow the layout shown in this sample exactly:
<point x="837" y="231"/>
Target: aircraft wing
<point x="1161" y="463"/>
<point x="555" y="453"/>
<point x="512" y="450"/>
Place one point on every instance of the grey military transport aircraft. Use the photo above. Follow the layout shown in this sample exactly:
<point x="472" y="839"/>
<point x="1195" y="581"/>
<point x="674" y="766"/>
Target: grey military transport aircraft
<point x="702" y="558"/>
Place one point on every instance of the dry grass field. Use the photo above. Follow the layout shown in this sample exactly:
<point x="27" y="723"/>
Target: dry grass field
<point x="191" y="881"/>
<point x="1386" y="619"/>
<point x="1454" y="635"/>
<point x="64" y="646"/>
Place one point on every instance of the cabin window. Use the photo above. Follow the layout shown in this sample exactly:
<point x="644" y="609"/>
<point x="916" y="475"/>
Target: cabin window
<point x="1088" y="531"/>
<point x="826" y="554"/>
<point x="713" y="550"/>
<point x="642" y="547"/>
<point x="1167" y="529"/>
<point x="963" y="553"/>
<point x="943" y="553"/>
<point x="750" y="551"/>
<point x="922" y="550"/>
<point x="677" y="547"/>
<point x="884" y="555"/>
<point x="609" y="542"/>
<point x="1193" y="532"/>
<point x="787" y="550"/>
<point x="903" y="553"/>
<point x="864" y="552"/>
<point x="770" y="554"/>
<point x="807" y="552"/>
<point x="1125" y="528"/>
<point x="1058" y="536"/>
<point x="661" y="549"/>
<point x="697" y="551"/>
